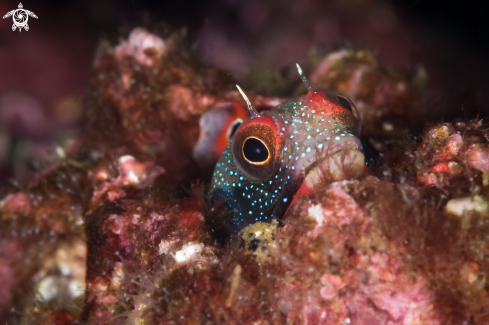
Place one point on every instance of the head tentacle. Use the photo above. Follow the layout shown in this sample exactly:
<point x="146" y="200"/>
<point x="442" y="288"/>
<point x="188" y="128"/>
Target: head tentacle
<point x="252" y="110"/>
<point x="304" y="78"/>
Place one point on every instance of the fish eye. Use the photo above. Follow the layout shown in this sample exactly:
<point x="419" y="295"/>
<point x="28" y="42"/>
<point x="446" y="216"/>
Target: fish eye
<point x="255" y="151"/>
<point x="257" y="146"/>
<point x="234" y="126"/>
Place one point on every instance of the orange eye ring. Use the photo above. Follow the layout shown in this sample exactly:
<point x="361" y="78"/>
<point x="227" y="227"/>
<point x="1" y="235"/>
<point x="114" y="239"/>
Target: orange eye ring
<point x="245" y="150"/>
<point x="257" y="146"/>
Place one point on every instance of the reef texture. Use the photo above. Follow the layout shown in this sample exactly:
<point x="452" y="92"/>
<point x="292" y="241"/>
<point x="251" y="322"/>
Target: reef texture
<point x="117" y="229"/>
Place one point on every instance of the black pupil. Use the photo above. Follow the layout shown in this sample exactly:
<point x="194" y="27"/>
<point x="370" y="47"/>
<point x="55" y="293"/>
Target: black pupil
<point x="254" y="150"/>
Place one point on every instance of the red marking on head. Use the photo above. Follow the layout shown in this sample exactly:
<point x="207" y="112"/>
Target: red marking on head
<point x="320" y="102"/>
<point x="327" y="105"/>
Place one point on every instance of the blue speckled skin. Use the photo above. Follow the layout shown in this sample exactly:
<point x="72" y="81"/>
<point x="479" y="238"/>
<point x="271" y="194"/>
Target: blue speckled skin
<point x="306" y="130"/>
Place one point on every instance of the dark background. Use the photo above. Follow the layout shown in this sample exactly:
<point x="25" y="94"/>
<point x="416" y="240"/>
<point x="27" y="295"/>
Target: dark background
<point x="44" y="72"/>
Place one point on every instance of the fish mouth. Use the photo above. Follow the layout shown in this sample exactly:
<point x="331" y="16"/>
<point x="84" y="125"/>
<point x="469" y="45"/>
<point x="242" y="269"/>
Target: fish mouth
<point x="344" y="164"/>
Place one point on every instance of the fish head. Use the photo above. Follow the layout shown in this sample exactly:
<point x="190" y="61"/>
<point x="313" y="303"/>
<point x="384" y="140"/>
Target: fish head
<point x="271" y="152"/>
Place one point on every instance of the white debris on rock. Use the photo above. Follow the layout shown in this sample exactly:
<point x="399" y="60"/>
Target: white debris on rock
<point x="166" y="246"/>
<point x="48" y="288"/>
<point x="117" y="276"/>
<point x="126" y="158"/>
<point x="316" y="211"/>
<point x="187" y="252"/>
<point x="459" y="206"/>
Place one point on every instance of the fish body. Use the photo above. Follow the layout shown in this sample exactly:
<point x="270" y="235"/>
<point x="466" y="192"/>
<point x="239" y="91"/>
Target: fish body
<point x="271" y="152"/>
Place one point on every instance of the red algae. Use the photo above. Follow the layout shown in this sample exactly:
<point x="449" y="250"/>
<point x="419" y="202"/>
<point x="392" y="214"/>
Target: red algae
<point x="117" y="230"/>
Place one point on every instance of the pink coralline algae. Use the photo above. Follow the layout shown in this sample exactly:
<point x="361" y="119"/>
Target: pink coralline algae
<point x="118" y="229"/>
<point x="366" y="279"/>
<point x="449" y="152"/>
<point x="144" y="47"/>
<point x="130" y="174"/>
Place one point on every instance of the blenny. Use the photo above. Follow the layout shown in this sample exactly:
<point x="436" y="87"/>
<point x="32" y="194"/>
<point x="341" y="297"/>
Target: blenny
<point x="271" y="152"/>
